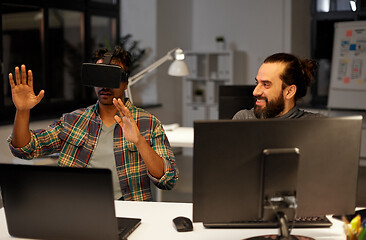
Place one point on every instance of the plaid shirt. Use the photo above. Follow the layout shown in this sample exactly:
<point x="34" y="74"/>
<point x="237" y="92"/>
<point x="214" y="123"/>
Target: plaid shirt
<point x="75" y="136"/>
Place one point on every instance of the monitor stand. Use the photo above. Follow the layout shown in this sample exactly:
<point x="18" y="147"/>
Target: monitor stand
<point x="279" y="194"/>
<point x="284" y="232"/>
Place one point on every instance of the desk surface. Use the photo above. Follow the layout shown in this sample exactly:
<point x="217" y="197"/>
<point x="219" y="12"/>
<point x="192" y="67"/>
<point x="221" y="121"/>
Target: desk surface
<point x="180" y="137"/>
<point x="157" y="224"/>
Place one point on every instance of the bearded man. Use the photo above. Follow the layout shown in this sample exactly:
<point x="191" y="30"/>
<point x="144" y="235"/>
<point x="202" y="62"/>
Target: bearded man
<point x="282" y="79"/>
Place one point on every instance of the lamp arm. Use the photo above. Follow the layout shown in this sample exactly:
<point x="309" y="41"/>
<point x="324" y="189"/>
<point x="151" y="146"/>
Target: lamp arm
<point x="137" y="77"/>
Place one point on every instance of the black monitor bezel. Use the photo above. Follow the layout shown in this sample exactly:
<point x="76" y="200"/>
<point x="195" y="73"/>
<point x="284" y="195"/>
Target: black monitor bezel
<point x="227" y="189"/>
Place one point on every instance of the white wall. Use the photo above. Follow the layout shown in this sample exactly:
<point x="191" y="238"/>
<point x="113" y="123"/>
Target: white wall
<point x="159" y="26"/>
<point x="259" y="28"/>
<point x="255" y="27"/>
<point x="139" y="18"/>
<point x="174" y="30"/>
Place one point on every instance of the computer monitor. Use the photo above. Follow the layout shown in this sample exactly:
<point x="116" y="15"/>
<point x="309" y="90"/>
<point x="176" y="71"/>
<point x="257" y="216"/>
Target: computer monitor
<point x="233" y="98"/>
<point x="316" y="159"/>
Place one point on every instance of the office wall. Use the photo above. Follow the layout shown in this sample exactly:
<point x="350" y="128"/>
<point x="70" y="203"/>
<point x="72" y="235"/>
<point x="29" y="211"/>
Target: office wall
<point x="300" y="28"/>
<point x="259" y="28"/>
<point x="159" y="26"/>
<point x="174" y="30"/>
<point x="139" y="18"/>
<point x="255" y="27"/>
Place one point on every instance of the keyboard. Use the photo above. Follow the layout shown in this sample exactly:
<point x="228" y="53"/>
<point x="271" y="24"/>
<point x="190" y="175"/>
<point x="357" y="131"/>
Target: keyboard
<point x="300" y="222"/>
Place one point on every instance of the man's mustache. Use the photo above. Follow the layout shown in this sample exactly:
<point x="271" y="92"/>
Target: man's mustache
<point x="260" y="98"/>
<point x="105" y="90"/>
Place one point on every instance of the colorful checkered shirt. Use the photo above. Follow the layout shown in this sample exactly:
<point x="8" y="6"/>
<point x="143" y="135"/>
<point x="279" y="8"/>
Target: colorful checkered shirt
<point x="75" y="135"/>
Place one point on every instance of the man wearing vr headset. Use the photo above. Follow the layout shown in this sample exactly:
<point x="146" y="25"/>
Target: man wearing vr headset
<point x="112" y="133"/>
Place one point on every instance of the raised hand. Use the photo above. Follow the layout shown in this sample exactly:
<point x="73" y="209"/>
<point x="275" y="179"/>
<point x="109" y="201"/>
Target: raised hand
<point x="22" y="90"/>
<point x="154" y="163"/>
<point x="129" y="127"/>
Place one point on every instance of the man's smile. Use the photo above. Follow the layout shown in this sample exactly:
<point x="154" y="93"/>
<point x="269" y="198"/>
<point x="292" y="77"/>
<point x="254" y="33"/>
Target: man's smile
<point x="261" y="101"/>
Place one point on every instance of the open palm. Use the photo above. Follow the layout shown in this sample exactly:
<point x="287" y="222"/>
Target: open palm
<point x="129" y="127"/>
<point x="22" y="90"/>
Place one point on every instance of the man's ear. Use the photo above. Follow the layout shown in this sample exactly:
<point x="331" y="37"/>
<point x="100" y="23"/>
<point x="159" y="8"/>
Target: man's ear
<point x="290" y="91"/>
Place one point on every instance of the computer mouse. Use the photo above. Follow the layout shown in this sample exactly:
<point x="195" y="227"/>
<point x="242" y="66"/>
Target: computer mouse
<point x="183" y="224"/>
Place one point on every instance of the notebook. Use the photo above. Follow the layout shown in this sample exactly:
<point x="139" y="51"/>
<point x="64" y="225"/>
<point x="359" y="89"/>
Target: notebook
<point x="48" y="202"/>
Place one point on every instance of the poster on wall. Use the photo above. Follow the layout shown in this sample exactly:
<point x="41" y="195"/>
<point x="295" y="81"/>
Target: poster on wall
<point x="348" y="74"/>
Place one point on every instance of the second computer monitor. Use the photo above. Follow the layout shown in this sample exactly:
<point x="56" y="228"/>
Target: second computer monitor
<point x="233" y="98"/>
<point x="228" y="171"/>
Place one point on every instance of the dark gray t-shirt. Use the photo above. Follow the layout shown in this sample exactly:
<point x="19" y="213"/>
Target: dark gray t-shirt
<point x="295" y="112"/>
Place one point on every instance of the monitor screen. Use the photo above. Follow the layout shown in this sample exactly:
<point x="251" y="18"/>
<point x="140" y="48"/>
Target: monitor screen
<point x="233" y="98"/>
<point x="314" y="159"/>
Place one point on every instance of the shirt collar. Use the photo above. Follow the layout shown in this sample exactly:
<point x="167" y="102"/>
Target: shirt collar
<point x="128" y="104"/>
<point x="290" y="113"/>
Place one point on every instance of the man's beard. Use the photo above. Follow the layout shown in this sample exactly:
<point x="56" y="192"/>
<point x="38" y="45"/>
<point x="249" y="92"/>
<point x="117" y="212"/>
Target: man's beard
<point x="106" y="91"/>
<point x="272" y="108"/>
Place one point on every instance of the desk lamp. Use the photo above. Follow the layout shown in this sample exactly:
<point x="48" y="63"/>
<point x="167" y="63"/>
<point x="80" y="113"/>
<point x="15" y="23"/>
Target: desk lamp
<point x="178" y="68"/>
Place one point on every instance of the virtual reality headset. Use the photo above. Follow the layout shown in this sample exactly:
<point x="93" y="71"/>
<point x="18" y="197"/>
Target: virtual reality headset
<point x="103" y="75"/>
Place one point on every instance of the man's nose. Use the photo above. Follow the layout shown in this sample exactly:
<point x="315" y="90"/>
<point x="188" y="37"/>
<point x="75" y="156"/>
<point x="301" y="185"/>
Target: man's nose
<point x="257" y="90"/>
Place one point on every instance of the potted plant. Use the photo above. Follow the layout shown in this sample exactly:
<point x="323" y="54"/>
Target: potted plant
<point x="198" y="95"/>
<point x="132" y="46"/>
<point x="220" y="43"/>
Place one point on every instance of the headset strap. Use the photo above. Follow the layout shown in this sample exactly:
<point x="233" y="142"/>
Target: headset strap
<point x="107" y="57"/>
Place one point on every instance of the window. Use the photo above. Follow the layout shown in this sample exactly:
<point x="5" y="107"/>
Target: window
<point x="103" y="31"/>
<point x="21" y="44"/>
<point x="335" y="5"/>
<point x="53" y="39"/>
<point x="66" y="54"/>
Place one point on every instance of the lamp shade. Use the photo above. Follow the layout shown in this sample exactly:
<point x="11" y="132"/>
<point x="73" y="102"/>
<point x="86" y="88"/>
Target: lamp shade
<point x="178" y="68"/>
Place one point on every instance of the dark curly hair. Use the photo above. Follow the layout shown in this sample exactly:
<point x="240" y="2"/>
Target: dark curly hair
<point x="119" y="56"/>
<point x="299" y="72"/>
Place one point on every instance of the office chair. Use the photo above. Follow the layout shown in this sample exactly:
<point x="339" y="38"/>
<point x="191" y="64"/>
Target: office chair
<point x="233" y="98"/>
